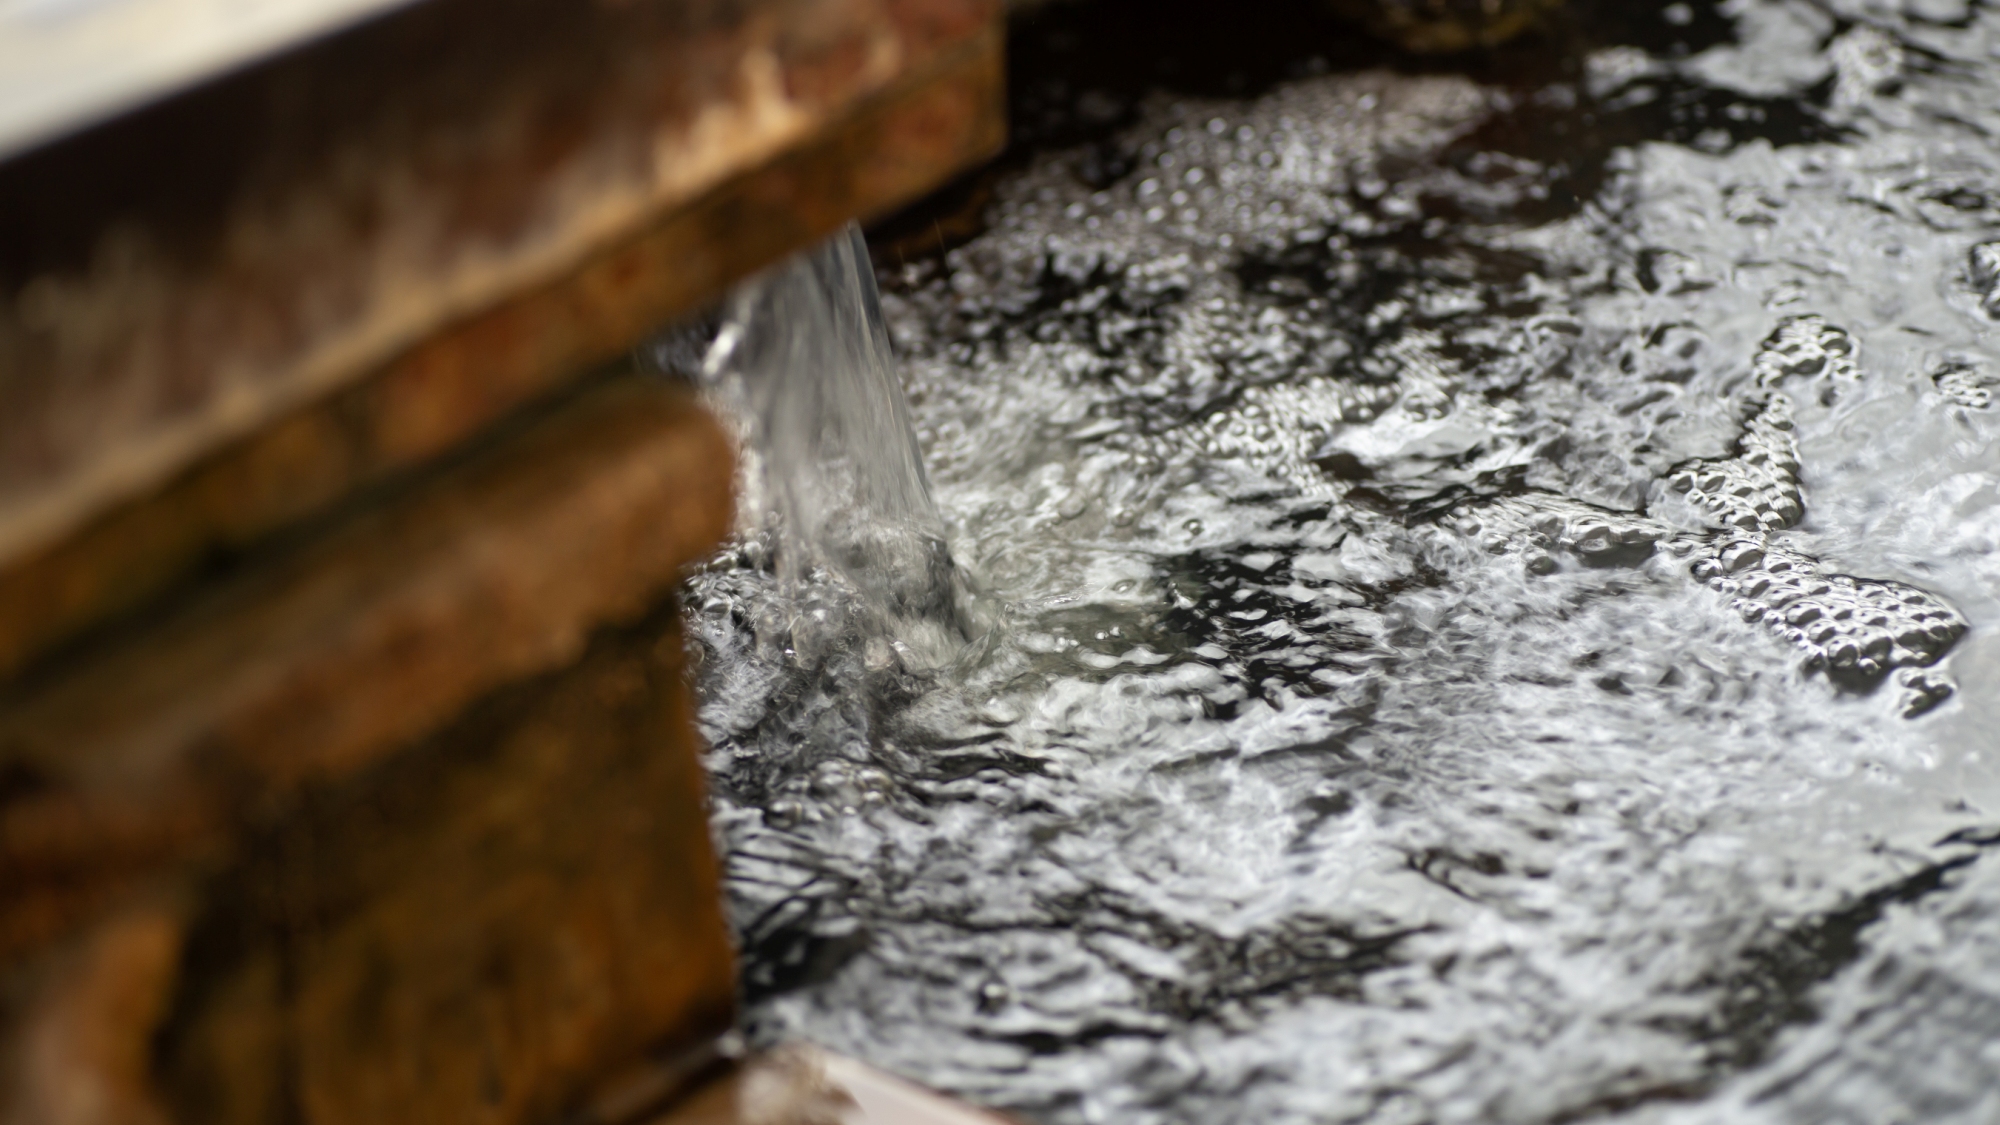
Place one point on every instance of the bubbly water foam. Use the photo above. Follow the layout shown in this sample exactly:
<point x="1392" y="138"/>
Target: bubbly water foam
<point x="1476" y="601"/>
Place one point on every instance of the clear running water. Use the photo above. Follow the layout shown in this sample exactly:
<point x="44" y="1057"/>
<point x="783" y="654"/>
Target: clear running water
<point x="1483" y="601"/>
<point x="837" y="491"/>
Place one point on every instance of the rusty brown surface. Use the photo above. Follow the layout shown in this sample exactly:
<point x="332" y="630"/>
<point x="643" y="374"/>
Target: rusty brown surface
<point x="475" y="196"/>
<point x="156" y="746"/>
<point x="78" y="1050"/>
<point x="887" y="149"/>
<point x="395" y="815"/>
<point x="477" y="932"/>
<point x="375" y="831"/>
<point x="435" y="396"/>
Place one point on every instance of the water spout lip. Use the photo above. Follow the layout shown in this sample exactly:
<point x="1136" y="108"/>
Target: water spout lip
<point x="716" y="360"/>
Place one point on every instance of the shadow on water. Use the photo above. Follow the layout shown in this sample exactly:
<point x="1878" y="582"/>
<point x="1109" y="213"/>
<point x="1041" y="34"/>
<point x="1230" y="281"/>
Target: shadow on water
<point x="1079" y="72"/>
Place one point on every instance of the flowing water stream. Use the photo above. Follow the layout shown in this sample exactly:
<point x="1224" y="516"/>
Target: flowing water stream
<point x="1439" y="597"/>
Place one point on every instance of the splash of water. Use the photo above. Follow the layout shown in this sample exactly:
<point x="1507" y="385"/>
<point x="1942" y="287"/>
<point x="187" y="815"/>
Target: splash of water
<point x="1483" y="569"/>
<point x="836" y="479"/>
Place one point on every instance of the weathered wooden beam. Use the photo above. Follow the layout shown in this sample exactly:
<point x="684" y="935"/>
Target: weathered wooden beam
<point x="389" y="819"/>
<point x="224" y="315"/>
<point x="320" y="664"/>
<point x="347" y="766"/>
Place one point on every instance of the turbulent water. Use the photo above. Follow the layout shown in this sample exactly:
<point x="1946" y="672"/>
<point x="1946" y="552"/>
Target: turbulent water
<point x="1475" y="602"/>
<point x="836" y="501"/>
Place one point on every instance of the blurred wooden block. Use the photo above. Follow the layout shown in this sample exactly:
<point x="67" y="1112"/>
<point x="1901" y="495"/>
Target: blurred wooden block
<point x="225" y="314"/>
<point x="347" y="767"/>
<point x="482" y="930"/>
<point x="376" y="832"/>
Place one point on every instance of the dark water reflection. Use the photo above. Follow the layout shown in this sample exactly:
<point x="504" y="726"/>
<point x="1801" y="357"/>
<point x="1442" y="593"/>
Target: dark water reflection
<point x="1486" y="589"/>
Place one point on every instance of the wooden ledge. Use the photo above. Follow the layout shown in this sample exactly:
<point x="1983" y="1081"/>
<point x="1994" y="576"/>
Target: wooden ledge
<point x="210" y="336"/>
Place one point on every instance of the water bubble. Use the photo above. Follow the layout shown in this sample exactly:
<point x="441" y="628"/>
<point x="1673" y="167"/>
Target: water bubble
<point x="1983" y="268"/>
<point x="1258" y="788"/>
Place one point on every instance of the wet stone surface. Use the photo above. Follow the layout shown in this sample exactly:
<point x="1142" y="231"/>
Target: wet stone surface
<point x="1479" y="595"/>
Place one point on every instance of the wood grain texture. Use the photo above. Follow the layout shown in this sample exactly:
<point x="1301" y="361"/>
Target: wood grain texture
<point x="445" y="190"/>
<point x="477" y="370"/>
<point x="153" y="748"/>
<point x="478" y="931"/>
<point x="404" y="824"/>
